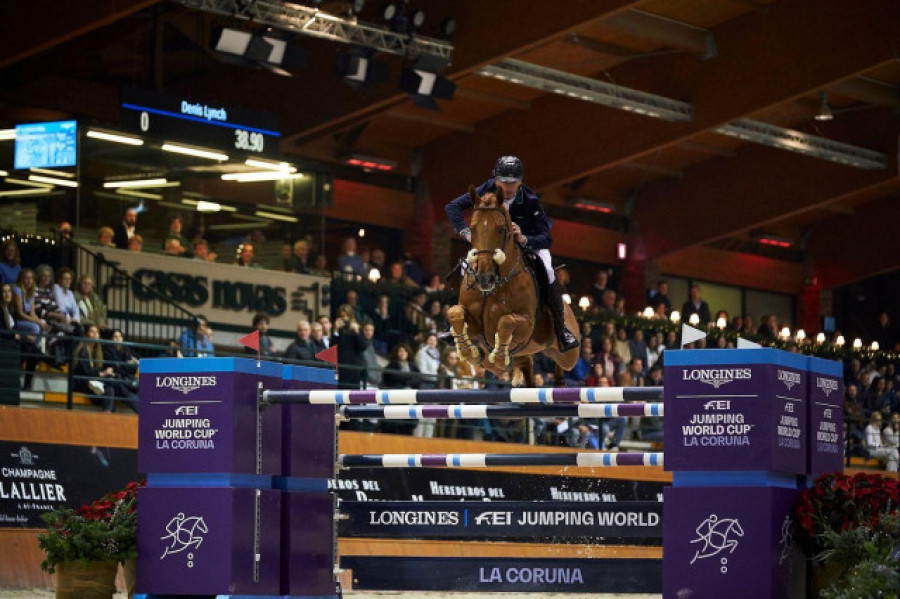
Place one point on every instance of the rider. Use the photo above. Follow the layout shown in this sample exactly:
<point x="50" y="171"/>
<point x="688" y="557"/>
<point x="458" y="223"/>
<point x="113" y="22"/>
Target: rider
<point x="530" y="227"/>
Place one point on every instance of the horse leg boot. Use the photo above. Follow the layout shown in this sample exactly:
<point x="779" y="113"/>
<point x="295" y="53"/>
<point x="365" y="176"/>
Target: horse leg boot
<point x="465" y="347"/>
<point x="565" y="337"/>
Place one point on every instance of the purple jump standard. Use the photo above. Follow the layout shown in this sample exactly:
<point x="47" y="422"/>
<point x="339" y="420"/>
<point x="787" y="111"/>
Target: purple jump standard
<point x="483" y="460"/>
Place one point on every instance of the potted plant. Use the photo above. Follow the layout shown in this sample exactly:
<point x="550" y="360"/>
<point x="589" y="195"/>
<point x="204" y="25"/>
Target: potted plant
<point x="84" y="546"/>
<point x="848" y="525"/>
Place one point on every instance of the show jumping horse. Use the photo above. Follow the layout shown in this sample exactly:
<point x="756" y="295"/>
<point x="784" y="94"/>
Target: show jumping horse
<point x="499" y="314"/>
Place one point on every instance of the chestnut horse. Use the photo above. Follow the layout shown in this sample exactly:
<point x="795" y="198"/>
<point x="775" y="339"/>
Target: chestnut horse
<point x="498" y="303"/>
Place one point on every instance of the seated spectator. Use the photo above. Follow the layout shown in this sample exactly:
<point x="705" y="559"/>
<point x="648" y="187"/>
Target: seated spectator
<point x="135" y="243"/>
<point x="596" y="376"/>
<point x="348" y="260"/>
<point x="105" y="237"/>
<point x="246" y="256"/>
<point x="878" y="399"/>
<point x="65" y="299"/>
<point x="173" y="351"/>
<point x="91" y="376"/>
<point x="326" y="329"/>
<point x="653" y="349"/>
<point x="302" y="348"/>
<point x="622" y="347"/>
<point x="435" y="284"/>
<point x="875" y="445"/>
<point x="737" y="325"/>
<point x="10" y="262"/>
<point x="125" y="366"/>
<point x="91" y="308"/>
<point x="607" y="305"/>
<point x="266" y="347"/>
<point x="10" y="338"/>
<point x="608" y="358"/>
<point x="579" y="372"/>
<point x="201" y="251"/>
<point x="637" y="346"/>
<point x="396" y="276"/>
<point x="401" y="373"/>
<point x="386" y="326"/>
<point x="173" y="247"/>
<point x="174" y="234"/>
<point x="320" y="267"/>
<point x="195" y="341"/>
<point x="353" y="302"/>
<point x="634" y="374"/>
<point x="300" y="257"/>
<point x="695" y="305"/>
<point x="428" y="361"/>
<point x="448" y="373"/>
<point x="766" y="328"/>
<point x="27" y="320"/>
<point x="891" y="433"/>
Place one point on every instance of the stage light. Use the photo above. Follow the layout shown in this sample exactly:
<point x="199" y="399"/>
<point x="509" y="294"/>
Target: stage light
<point x="824" y="113"/>
<point x="389" y="11"/>
<point x="249" y="177"/>
<point x="448" y="27"/>
<point x="423" y="82"/>
<point x="230" y="41"/>
<point x="593" y="206"/>
<point x="622" y="250"/>
<point x="158" y="182"/>
<point x="359" y="69"/>
<point x="282" y="217"/>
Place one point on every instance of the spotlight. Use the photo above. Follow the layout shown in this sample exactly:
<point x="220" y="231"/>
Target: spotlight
<point x="231" y="43"/>
<point x="423" y="82"/>
<point x="359" y="70"/>
<point x="417" y="19"/>
<point x="448" y="27"/>
<point x="390" y="11"/>
<point x="356" y="6"/>
<point x="267" y="51"/>
<point x="824" y="113"/>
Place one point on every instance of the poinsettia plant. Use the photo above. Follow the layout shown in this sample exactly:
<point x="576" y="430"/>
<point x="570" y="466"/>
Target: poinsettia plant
<point x="103" y="530"/>
<point x="839" y="502"/>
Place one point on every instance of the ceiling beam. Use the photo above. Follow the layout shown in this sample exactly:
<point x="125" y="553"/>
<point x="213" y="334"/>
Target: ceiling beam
<point x="491" y="98"/>
<point x="653" y="169"/>
<point x="664" y="30"/>
<point x="476" y="44"/>
<point x="868" y="90"/>
<point x="601" y="47"/>
<point x="430" y="119"/>
<point x="844" y="254"/>
<point x="705" y="148"/>
<point x="26" y="30"/>
<point x="751" y="48"/>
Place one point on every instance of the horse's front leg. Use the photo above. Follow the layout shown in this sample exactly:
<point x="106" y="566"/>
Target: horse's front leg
<point x="459" y="324"/>
<point x="506" y="327"/>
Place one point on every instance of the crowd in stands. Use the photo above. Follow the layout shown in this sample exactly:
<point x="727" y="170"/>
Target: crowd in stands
<point x="395" y="335"/>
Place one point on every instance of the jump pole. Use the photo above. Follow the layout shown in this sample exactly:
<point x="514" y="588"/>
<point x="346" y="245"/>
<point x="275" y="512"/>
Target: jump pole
<point x="452" y="412"/>
<point x="540" y="395"/>
<point x="484" y="460"/>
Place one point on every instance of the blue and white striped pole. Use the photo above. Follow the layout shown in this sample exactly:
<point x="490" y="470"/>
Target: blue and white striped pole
<point x="460" y="411"/>
<point x="483" y="460"/>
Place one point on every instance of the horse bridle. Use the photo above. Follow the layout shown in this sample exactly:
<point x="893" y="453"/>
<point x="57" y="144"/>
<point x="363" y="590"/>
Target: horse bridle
<point x="505" y="231"/>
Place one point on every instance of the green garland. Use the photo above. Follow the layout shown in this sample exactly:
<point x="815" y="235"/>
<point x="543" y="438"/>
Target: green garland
<point x="807" y="347"/>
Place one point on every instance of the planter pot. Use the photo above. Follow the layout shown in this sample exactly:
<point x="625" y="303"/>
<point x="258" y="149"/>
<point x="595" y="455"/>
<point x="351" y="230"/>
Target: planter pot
<point x="86" y="580"/>
<point x="129" y="574"/>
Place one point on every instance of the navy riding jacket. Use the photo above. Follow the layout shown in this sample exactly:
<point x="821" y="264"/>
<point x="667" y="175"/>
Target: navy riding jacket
<point x="525" y="211"/>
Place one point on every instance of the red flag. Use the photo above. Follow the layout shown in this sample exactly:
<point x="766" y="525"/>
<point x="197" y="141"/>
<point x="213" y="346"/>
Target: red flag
<point x="329" y="355"/>
<point x="251" y="340"/>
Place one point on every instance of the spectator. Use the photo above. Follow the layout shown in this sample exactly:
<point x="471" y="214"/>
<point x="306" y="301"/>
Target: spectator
<point x="353" y="302"/>
<point x="637" y="347"/>
<point x="105" y="237"/>
<point x="300" y="257"/>
<point x="579" y="372"/>
<point x="246" y="256"/>
<point x="318" y="338"/>
<point x="135" y="243"/>
<point x="174" y="234"/>
<point x="652" y="427"/>
<point x="448" y="373"/>
<point x="608" y="359"/>
<point x="885" y="334"/>
<point x="619" y="309"/>
<point x="371" y="358"/>
<point x="891" y="433"/>
<point x="396" y="276"/>
<point x="634" y="374"/>
<point x="622" y="347"/>
<point x="10" y="262"/>
<point x="401" y="373"/>
<point x="348" y="260"/>
<point x="607" y="304"/>
<point x="350" y="345"/>
<point x="766" y="328"/>
<point x="378" y="260"/>
<point x="418" y="323"/>
<point x="435" y="284"/>
<point x="326" y="330"/>
<point x="660" y="295"/>
<point x="27" y="320"/>
<point x="125" y="366"/>
<point x="564" y="279"/>
<point x="601" y="282"/>
<point x="65" y="299"/>
<point x="124" y="231"/>
<point x="437" y="314"/>
<point x="428" y="361"/>
<point x="747" y="324"/>
<point x="320" y="267"/>
<point x="737" y="324"/>
<point x="91" y="376"/>
<point x="302" y="348"/>
<point x="286" y="261"/>
<point x="266" y="347"/>
<point x="695" y="305"/>
<point x="653" y="350"/>
<point x="659" y="311"/>
<point x="91" y="308"/>
<point x="9" y="336"/>
<point x="875" y="445"/>
<point x="195" y="341"/>
<point x="878" y="399"/>
<point x="413" y="269"/>
<point x="201" y="251"/>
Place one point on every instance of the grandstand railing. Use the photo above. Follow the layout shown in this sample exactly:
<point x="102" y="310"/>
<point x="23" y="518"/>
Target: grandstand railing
<point x="147" y="320"/>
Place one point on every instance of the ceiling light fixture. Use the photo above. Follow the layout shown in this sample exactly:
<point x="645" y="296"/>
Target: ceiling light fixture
<point x="115" y="137"/>
<point x="138" y="183"/>
<point x="359" y="69"/>
<point x="607" y="94"/>
<point x="53" y="181"/>
<point x="208" y="206"/>
<point x="7" y="134"/>
<point x="52" y="173"/>
<point x="273" y="216"/>
<point x="139" y="194"/>
<point x="593" y="206"/>
<point x="275" y="166"/>
<point x="27" y="192"/>
<point x="773" y="240"/>
<point x="370" y="162"/>
<point x="824" y="113"/>
<point x="3" y="173"/>
<point x="15" y="181"/>
<point x="198" y="152"/>
<point x="260" y="176"/>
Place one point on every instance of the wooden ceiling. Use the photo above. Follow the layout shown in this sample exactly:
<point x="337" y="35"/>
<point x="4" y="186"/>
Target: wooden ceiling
<point x="681" y="183"/>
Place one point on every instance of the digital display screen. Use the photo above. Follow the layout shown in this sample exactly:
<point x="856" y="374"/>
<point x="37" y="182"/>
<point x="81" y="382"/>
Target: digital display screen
<point x="41" y="145"/>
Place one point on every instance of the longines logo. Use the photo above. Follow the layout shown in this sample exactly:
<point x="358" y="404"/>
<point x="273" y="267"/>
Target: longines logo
<point x="789" y="378"/>
<point x="185" y="384"/>
<point x="826" y="385"/>
<point x="715" y="376"/>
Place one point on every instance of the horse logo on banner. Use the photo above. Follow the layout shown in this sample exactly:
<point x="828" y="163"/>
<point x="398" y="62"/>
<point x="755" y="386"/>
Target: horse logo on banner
<point x="184" y="532"/>
<point x="717" y="535"/>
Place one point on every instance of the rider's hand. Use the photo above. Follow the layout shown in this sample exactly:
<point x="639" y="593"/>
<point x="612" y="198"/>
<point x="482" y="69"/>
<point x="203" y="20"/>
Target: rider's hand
<point x="517" y="234"/>
<point x="466" y="234"/>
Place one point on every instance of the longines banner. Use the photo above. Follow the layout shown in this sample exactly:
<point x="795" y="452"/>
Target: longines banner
<point x="224" y="293"/>
<point x="36" y="478"/>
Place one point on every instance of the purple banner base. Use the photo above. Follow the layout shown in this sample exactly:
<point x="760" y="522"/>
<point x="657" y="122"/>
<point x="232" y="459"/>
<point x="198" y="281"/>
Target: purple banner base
<point x="730" y="542"/>
<point x="308" y="549"/>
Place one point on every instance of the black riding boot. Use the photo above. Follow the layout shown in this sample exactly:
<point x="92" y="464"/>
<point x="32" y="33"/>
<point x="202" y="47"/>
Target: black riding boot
<point x="566" y="339"/>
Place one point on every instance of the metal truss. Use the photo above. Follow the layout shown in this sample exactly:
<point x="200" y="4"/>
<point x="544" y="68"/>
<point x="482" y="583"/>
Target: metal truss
<point x="804" y="143"/>
<point x="590" y="90"/>
<point x="306" y="20"/>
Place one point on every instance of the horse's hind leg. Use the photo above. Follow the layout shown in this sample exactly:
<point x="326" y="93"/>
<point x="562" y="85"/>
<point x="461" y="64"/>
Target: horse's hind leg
<point x="465" y="347"/>
<point x="523" y="375"/>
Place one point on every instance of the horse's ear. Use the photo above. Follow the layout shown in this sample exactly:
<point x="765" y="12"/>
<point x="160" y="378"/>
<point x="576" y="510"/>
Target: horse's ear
<point x="473" y="197"/>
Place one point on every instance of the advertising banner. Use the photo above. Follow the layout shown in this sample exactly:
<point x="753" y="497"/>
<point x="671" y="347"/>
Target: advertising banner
<point x="36" y="478"/>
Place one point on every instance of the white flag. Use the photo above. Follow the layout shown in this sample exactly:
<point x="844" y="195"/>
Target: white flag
<point x="744" y="344"/>
<point x="690" y="334"/>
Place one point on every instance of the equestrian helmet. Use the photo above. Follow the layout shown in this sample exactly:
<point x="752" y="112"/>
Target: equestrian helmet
<point x="508" y="169"/>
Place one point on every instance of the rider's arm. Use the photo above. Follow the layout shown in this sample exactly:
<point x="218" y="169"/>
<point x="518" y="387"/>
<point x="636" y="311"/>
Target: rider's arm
<point x="455" y="209"/>
<point x="538" y="235"/>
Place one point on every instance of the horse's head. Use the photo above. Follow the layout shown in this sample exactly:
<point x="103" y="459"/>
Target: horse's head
<point x="491" y="239"/>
